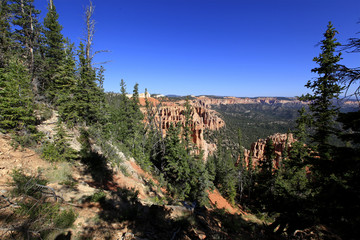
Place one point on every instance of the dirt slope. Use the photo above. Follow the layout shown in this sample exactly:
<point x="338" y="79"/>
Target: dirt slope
<point x="89" y="222"/>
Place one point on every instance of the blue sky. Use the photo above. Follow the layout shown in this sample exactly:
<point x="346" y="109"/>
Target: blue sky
<point x="216" y="47"/>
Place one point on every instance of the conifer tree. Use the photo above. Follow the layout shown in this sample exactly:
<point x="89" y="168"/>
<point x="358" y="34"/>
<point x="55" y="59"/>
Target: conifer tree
<point x="88" y="94"/>
<point x="199" y="180"/>
<point x="226" y="176"/>
<point x="250" y="172"/>
<point x="68" y="89"/>
<point x="211" y="168"/>
<point x="16" y="104"/>
<point x="119" y="114"/>
<point x="187" y="125"/>
<point x="292" y="188"/>
<point x="328" y="164"/>
<point x="325" y="89"/>
<point x="55" y="53"/>
<point x="242" y="170"/>
<point x="136" y="127"/>
<point x="176" y="164"/>
<point x="153" y="140"/>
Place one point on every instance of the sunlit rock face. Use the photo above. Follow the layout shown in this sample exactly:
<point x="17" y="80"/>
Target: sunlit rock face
<point x="206" y="101"/>
<point x="202" y="117"/>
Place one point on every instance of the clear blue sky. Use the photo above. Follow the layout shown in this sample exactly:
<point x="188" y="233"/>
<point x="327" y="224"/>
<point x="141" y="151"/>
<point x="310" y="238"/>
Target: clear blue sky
<point x="219" y="47"/>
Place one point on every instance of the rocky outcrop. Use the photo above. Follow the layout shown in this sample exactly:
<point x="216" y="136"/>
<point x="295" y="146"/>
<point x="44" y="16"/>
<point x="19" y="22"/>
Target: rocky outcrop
<point x="257" y="150"/>
<point x="168" y="113"/>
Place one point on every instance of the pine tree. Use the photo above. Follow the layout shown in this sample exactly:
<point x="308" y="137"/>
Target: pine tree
<point x="325" y="89"/>
<point x="242" y="170"/>
<point x="332" y="184"/>
<point x="199" y="180"/>
<point x="88" y="94"/>
<point x="119" y="114"/>
<point x="153" y="140"/>
<point x="16" y="105"/>
<point x="211" y="168"/>
<point x="55" y="54"/>
<point x="136" y="126"/>
<point x="292" y="188"/>
<point x="299" y="152"/>
<point x="187" y="125"/>
<point x="65" y="98"/>
<point x="226" y="177"/>
<point x="176" y="164"/>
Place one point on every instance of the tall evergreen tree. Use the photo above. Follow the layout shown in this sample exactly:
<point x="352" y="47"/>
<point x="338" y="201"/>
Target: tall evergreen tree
<point x="333" y="181"/>
<point x="119" y="114"/>
<point x="176" y="163"/>
<point x="136" y="126"/>
<point x="65" y="97"/>
<point x="55" y="54"/>
<point x="325" y="89"/>
<point x="88" y="94"/>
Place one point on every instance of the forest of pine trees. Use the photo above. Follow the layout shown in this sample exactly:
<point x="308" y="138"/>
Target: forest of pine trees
<point x="316" y="183"/>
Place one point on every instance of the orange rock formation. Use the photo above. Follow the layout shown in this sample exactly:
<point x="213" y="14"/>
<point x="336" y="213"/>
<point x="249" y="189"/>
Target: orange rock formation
<point x="202" y="118"/>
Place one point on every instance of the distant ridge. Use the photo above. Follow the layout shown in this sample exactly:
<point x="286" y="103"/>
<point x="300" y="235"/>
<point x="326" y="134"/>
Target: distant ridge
<point x="172" y="95"/>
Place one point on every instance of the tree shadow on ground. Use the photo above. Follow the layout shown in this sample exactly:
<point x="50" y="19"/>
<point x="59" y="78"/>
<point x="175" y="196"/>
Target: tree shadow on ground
<point x="124" y="209"/>
<point x="97" y="167"/>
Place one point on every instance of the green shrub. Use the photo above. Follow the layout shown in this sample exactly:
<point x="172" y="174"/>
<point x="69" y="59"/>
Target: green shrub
<point x="65" y="219"/>
<point x="98" y="196"/>
<point x="50" y="152"/>
<point x="57" y="152"/>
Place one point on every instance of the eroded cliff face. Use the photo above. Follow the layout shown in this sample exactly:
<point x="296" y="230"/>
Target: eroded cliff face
<point x="280" y="141"/>
<point x="203" y="117"/>
<point x="206" y="101"/>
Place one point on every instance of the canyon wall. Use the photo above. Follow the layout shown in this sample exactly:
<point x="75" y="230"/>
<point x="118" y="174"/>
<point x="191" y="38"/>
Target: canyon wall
<point x="173" y="112"/>
<point x="203" y="117"/>
<point x="207" y="101"/>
